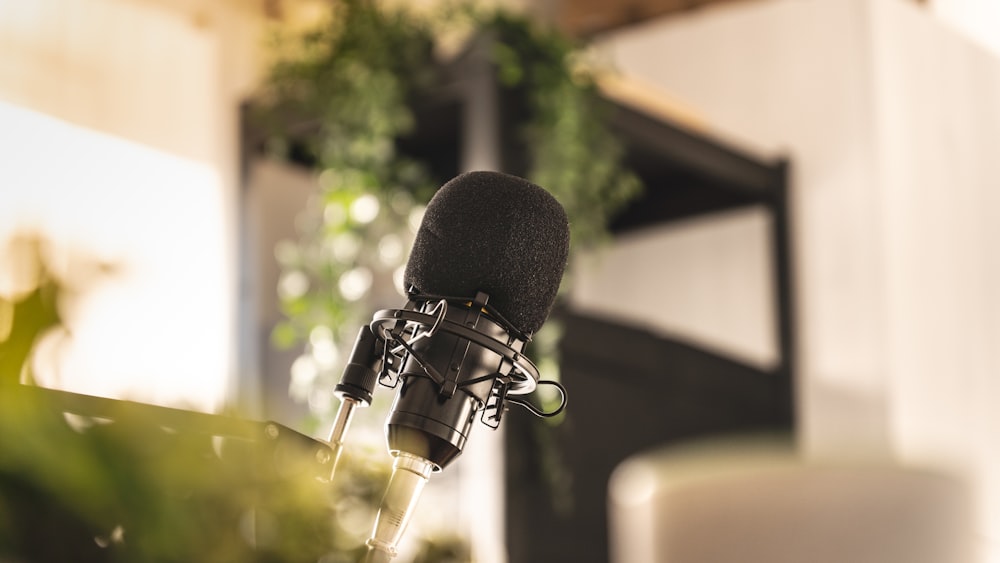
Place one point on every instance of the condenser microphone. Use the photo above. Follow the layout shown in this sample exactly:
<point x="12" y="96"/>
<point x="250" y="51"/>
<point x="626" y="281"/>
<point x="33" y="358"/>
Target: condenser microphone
<point x="481" y="279"/>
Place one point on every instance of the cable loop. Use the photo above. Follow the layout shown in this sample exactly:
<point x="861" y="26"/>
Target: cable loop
<point x="535" y="410"/>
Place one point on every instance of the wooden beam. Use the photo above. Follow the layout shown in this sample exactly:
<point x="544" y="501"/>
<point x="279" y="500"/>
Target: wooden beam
<point x="587" y="17"/>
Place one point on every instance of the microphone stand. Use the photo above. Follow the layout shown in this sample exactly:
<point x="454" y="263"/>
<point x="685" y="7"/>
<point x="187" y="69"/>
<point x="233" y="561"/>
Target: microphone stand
<point x="409" y="475"/>
<point x="356" y="387"/>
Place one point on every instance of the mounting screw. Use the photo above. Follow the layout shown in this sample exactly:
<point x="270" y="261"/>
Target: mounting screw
<point x="322" y="456"/>
<point x="271" y="431"/>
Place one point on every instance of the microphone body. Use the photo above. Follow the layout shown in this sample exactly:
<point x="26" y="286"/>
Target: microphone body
<point x="482" y="277"/>
<point x="433" y="420"/>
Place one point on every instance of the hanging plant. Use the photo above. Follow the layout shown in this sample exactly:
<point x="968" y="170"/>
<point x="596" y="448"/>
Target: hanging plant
<point x="340" y="93"/>
<point x="574" y="154"/>
<point x="343" y="92"/>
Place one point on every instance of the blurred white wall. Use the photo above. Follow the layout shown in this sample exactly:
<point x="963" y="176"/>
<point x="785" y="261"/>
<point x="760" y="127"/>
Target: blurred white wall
<point x="975" y="19"/>
<point x="119" y="125"/>
<point x="890" y="118"/>
<point x="707" y="280"/>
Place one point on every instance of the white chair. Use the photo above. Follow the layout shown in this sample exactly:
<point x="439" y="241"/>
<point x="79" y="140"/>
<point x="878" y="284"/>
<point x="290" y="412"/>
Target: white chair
<point x="754" y="501"/>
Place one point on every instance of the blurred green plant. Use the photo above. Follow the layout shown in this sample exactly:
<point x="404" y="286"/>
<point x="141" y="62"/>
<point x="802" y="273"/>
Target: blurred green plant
<point x="126" y="484"/>
<point x="34" y="306"/>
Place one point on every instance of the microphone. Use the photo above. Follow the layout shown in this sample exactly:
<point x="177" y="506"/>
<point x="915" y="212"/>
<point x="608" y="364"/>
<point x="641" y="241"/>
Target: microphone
<point x="481" y="279"/>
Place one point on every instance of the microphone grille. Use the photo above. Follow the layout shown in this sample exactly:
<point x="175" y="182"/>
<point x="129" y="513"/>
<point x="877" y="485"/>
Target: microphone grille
<point x="495" y="233"/>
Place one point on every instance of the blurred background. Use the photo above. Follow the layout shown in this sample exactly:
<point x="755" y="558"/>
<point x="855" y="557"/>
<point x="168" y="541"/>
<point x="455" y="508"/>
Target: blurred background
<point x="811" y="253"/>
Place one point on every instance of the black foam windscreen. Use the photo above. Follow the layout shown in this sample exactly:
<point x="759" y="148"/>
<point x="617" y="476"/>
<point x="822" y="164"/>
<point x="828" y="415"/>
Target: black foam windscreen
<point x="495" y="233"/>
